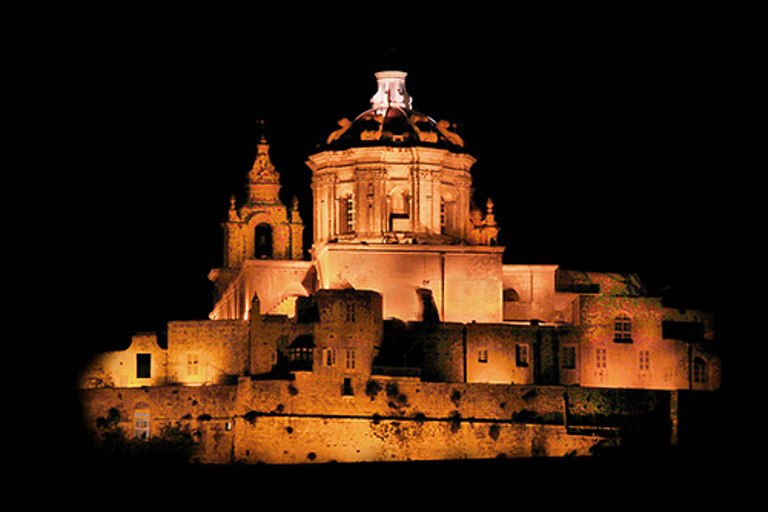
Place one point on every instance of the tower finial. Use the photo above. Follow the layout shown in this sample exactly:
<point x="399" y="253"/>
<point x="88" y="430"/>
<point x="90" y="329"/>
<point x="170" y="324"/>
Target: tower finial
<point x="262" y="137"/>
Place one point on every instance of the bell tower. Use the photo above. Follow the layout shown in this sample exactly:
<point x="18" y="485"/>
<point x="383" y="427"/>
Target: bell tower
<point x="262" y="228"/>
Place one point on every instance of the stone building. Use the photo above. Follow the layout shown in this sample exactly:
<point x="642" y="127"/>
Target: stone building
<point x="404" y="308"/>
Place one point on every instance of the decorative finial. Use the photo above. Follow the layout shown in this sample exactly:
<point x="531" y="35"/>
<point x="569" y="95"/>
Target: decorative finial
<point x="233" y="216"/>
<point x="295" y="217"/>
<point x="262" y="137"/>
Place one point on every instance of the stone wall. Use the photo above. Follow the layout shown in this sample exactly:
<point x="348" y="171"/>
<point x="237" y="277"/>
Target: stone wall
<point x="207" y="351"/>
<point x="205" y="409"/>
<point x="306" y="420"/>
<point x="295" y="439"/>
<point x="464" y="281"/>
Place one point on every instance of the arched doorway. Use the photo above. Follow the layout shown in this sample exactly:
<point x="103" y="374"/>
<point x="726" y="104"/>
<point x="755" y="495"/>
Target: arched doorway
<point x="262" y="242"/>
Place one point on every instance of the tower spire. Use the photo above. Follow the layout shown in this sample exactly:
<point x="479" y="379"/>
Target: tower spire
<point x="263" y="180"/>
<point x="260" y="123"/>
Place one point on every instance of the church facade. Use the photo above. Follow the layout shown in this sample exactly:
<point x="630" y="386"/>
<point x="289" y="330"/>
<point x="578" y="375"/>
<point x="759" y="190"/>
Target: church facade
<point x="371" y="350"/>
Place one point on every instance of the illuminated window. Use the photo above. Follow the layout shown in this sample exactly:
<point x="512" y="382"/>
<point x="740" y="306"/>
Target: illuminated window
<point x="350" y="312"/>
<point x="601" y="358"/>
<point x="521" y="355"/>
<point x="569" y="358"/>
<point x="143" y="366"/>
<point x="699" y="371"/>
<point x="622" y="328"/>
<point x="141" y="425"/>
<point x="645" y="360"/>
<point x="301" y="352"/>
<point x="193" y="365"/>
<point x="347" y="214"/>
<point x="350" y="359"/>
<point x="482" y="356"/>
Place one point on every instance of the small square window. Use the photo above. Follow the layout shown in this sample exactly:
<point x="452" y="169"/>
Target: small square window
<point x="482" y="356"/>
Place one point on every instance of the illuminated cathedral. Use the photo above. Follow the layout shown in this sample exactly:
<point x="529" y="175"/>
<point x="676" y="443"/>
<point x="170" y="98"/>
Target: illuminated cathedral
<point x="404" y="337"/>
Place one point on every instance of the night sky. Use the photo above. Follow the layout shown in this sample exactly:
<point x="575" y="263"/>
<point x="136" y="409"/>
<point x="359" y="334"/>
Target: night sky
<point x="608" y="140"/>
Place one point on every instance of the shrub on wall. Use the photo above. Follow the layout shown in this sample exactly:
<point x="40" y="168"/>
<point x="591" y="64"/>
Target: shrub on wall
<point x="175" y="443"/>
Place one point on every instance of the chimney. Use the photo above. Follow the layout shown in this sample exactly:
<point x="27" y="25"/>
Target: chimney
<point x="391" y="91"/>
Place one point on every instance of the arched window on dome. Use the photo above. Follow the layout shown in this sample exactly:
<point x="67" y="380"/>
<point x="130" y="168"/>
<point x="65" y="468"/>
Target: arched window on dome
<point x="447" y="220"/>
<point x="347" y="214"/>
<point x="262" y="242"/>
<point x="442" y="215"/>
<point x="399" y="210"/>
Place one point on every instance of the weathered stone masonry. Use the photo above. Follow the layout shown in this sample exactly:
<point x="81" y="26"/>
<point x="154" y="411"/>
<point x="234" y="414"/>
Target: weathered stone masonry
<point x="284" y="421"/>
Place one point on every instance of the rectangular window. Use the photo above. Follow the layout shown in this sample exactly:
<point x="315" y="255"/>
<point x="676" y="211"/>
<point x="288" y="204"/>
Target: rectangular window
<point x="569" y="358"/>
<point x="645" y="360"/>
<point x="601" y="358"/>
<point x="350" y="312"/>
<point x="143" y="366"/>
<point x="141" y="425"/>
<point x="350" y="214"/>
<point x="482" y="356"/>
<point x="193" y="365"/>
<point x="622" y="329"/>
<point x="442" y="216"/>
<point x="699" y="371"/>
<point x="350" y="359"/>
<point x="347" y="387"/>
<point x="329" y="356"/>
<point x="521" y="355"/>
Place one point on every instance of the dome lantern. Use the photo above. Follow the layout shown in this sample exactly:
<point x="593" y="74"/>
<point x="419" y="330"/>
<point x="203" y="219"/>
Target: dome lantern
<point x="391" y="92"/>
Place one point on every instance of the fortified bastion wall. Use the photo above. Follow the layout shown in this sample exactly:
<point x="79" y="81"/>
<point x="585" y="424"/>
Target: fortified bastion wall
<point x="298" y="421"/>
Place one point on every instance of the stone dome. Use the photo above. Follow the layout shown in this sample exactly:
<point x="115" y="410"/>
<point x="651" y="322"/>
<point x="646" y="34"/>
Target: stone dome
<point x="391" y="122"/>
